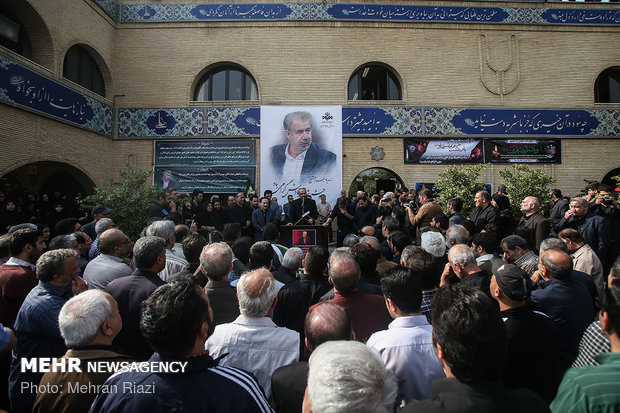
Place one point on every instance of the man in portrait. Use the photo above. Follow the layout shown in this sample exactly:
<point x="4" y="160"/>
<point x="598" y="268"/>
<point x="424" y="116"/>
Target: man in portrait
<point x="300" y="158"/>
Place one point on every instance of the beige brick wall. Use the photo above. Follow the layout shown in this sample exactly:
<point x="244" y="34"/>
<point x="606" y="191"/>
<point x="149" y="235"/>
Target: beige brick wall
<point x="156" y="65"/>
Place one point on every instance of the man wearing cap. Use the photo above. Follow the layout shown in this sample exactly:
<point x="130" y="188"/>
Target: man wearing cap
<point x="531" y="334"/>
<point x="98" y="212"/>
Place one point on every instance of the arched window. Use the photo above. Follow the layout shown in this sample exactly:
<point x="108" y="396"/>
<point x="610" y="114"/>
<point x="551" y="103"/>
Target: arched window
<point x="13" y="36"/>
<point x="81" y="68"/>
<point x="226" y="83"/>
<point x="374" y="82"/>
<point x="607" y="86"/>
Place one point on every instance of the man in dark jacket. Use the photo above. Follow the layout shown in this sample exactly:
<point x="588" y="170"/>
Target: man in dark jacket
<point x="593" y="228"/>
<point x="129" y="292"/>
<point x="484" y="212"/>
<point x="469" y="337"/>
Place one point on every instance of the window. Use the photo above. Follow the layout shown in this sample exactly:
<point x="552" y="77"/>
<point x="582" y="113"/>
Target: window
<point x="607" y="86"/>
<point x="226" y="83"/>
<point x="81" y="68"/>
<point x="374" y="83"/>
<point x="12" y="35"/>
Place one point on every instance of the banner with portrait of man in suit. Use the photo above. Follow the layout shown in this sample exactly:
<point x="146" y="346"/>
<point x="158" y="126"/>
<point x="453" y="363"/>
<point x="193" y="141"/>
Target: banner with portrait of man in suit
<point x="301" y="146"/>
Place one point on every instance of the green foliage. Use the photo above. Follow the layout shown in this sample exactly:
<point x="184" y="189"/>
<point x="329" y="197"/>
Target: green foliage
<point x="616" y="179"/>
<point x="521" y="181"/>
<point x="130" y="198"/>
<point x="459" y="182"/>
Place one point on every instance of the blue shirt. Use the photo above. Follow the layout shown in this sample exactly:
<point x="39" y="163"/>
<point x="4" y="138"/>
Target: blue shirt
<point x="5" y="337"/>
<point x="38" y="335"/>
<point x="406" y="348"/>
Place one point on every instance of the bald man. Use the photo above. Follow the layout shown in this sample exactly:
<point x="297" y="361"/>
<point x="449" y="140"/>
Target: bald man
<point x="566" y="301"/>
<point x="326" y="322"/>
<point x="114" y="246"/>
<point x="533" y="219"/>
<point x="253" y="341"/>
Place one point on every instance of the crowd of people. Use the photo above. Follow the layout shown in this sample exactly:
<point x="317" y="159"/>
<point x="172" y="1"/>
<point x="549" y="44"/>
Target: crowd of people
<point x="416" y="308"/>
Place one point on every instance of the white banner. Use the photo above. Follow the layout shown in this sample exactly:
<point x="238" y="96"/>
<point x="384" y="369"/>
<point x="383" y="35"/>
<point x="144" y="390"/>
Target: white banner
<point x="307" y="152"/>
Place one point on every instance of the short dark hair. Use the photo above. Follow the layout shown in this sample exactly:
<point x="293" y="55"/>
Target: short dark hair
<point x="367" y="257"/>
<point x="172" y="317"/>
<point x="425" y="266"/>
<point x="605" y="188"/>
<point x="484" y="194"/>
<point x="457" y="204"/>
<point x="267" y="191"/>
<point x="443" y="221"/>
<point x="391" y="224"/>
<point x="399" y="213"/>
<point x="147" y="250"/>
<point x="335" y="324"/>
<point x="192" y="247"/>
<point x="261" y="255"/>
<point x="161" y="194"/>
<point x="486" y="240"/>
<point x="611" y="305"/>
<point x="65" y="226"/>
<point x="270" y="231"/>
<point x="316" y="260"/>
<point x="231" y="231"/>
<point x="593" y="185"/>
<point x="241" y="249"/>
<point x="399" y="240"/>
<point x="426" y="192"/>
<point x="469" y="328"/>
<point x="402" y="287"/>
<point x="514" y="241"/>
<point x="175" y="217"/>
<point x="571" y="234"/>
<point x="23" y="237"/>
<point x="556" y="193"/>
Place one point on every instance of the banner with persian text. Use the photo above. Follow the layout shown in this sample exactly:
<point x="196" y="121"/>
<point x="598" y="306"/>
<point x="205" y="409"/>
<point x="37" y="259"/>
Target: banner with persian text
<point x="464" y="151"/>
<point x="215" y="166"/>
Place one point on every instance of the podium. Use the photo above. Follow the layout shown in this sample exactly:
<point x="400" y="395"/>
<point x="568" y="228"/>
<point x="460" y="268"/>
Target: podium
<point x="304" y="236"/>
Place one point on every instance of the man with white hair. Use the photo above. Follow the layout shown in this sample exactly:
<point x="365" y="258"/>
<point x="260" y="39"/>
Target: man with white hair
<point x="253" y="342"/>
<point x="291" y="262"/>
<point x="165" y="230"/>
<point x="347" y="376"/>
<point x="456" y="234"/>
<point x="433" y="243"/>
<point x="216" y="263"/>
<point x="462" y="263"/>
<point x="88" y="323"/>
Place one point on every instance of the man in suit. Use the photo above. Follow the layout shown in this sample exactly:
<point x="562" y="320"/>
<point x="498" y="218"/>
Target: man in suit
<point x="533" y="220"/>
<point x="302" y="205"/>
<point x="300" y="158"/>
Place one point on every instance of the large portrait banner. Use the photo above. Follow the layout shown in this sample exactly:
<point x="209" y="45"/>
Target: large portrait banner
<point x="301" y="146"/>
